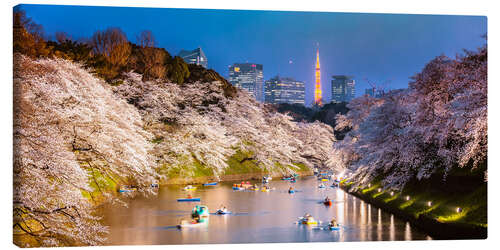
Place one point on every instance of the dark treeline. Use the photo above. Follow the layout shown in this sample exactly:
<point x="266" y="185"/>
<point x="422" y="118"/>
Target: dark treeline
<point x="109" y="53"/>
<point x="326" y="114"/>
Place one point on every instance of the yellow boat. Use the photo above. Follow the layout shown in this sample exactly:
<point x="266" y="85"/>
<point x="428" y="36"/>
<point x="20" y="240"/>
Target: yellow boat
<point x="324" y="179"/>
<point x="189" y="188"/>
<point x="265" y="190"/>
<point x="310" y="222"/>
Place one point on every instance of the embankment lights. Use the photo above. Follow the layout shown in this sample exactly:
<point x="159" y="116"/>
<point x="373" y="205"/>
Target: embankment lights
<point x="407" y="197"/>
<point x="379" y="190"/>
<point x="459" y="210"/>
<point x="369" y="185"/>
<point x="392" y="193"/>
<point x="429" y="203"/>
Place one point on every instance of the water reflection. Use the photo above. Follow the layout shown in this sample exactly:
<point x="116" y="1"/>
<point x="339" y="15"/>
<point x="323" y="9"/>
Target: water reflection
<point x="407" y="231"/>
<point x="257" y="217"/>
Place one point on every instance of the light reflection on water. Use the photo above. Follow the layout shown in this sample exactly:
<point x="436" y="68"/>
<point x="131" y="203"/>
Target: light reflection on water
<point x="257" y="217"/>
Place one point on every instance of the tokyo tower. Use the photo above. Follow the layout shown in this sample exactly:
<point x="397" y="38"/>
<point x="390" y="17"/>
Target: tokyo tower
<point x="318" y="98"/>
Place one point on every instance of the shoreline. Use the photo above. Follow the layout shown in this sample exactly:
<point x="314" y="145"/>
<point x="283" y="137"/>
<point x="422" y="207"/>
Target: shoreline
<point x="437" y="230"/>
<point x="230" y="177"/>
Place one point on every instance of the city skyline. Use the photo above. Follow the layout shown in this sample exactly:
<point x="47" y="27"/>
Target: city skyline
<point x="377" y="47"/>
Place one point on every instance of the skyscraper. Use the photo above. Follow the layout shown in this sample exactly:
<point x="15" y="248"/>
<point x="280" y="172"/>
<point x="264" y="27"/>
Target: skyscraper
<point x="343" y="88"/>
<point x="248" y="76"/>
<point x="284" y="90"/>
<point x="196" y="56"/>
<point x="318" y="96"/>
<point x="373" y="92"/>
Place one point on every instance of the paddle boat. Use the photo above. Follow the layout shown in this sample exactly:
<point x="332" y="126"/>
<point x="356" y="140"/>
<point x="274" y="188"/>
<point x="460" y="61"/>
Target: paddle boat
<point x="189" y="188"/>
<point x="321" y="185"/>
<point x="238" y="187"/>
<point x="291" y="191"/>
<point x="200" y="211"/>
<point x="308" y="220"/>
<point x="265" y="189"/>
<point x="327" y="202"/>
<point x="254" y="188"/>
<point x="324" y="179"/>
<point x="333" y="225"/>
<point x="210" y="184"/>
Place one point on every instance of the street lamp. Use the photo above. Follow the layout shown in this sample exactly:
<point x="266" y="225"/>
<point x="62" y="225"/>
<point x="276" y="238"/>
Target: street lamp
<point x="429" y="203"/>
<point x="392" y="193"/>
<point x="407" y="197"/>
<point x="379" y="190"/>
<point x="459" y="210"/>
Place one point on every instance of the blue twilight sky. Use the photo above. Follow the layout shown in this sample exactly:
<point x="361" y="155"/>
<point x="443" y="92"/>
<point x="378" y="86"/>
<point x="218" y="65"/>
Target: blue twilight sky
<point x="378" y="47"/>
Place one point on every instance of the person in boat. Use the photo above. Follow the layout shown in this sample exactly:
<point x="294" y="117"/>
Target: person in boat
<point x="333" y="223"/>
<point x="327" y="199"/>
<point x="308" y="218"/>
<point x="290" y="189"/>
<point x="222" y="209"/>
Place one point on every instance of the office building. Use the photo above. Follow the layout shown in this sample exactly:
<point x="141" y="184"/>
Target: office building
<point x="343" y="88"/>
<point x="248" y="76"/>
<point x="196" y="56"/>
<point x="284" y="90"/>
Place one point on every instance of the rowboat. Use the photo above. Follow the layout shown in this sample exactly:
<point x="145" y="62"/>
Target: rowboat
<point x="210" y="184"/>
<point x="188" y="199"/>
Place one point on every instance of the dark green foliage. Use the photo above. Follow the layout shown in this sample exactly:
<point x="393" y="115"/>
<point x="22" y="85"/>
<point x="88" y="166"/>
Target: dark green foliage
<point x="179" y="71"/>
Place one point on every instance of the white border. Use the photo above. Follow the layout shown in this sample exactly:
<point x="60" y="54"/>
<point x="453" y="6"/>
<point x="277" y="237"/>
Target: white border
<point x="457" y="7"/>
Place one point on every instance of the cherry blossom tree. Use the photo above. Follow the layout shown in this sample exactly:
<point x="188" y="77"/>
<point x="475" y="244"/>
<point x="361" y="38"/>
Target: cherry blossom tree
<point x="67" y="125"/>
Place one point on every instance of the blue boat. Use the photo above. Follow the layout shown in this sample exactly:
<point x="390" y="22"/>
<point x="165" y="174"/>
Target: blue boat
<point x="210" y="184"/>
<point x="238" y="188"/>
<point x="291" y="191"/>
<point x="188" y="199"/>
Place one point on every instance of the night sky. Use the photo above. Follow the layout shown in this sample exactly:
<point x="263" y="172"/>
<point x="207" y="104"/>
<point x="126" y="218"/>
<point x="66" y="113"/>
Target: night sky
<point x="378" y="47"/>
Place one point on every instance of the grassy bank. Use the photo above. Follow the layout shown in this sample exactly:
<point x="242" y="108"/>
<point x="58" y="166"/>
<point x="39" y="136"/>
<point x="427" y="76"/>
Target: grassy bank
<point x="452" y="211"/>
<point x="241" y="167"/>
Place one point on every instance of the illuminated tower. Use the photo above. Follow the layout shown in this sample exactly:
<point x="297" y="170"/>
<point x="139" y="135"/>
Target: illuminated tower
<point x="317" y="88"/>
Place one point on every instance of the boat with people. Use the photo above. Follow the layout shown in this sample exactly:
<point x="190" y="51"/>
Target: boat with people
<point x="238" y="187"/>
<point x="189" y="188"/>
<point x="321" y="185"/>
<point x="291" y="190"/>
<point x="255" y="187"/>
<point x="199" y="212"/>
<point x="222" y="210"/>
<point x="210" y="184"/>
<point x="327" y="201"/>
<point x="307" y="219"/>
<point x="266" y="179"/>
<point x="189" y="199"/>
<point x="333" y="225"/>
